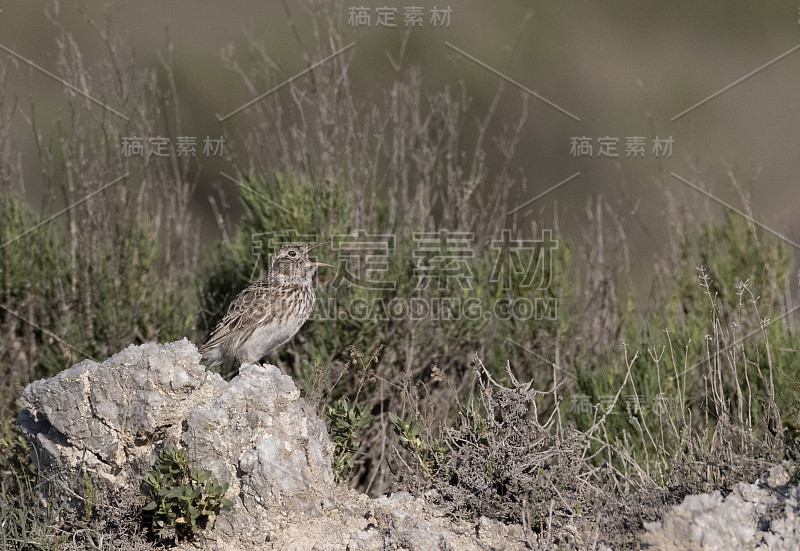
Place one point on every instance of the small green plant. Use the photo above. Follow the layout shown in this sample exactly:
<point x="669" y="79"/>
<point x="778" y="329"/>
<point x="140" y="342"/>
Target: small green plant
<point x="180" y="499"/>
<point x="346" y="420"/>
<point x="429" y="455"/>
<point x="88" y="496"/>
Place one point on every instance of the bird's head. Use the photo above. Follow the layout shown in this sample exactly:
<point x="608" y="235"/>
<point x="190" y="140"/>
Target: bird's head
<point x="292" y="263"/>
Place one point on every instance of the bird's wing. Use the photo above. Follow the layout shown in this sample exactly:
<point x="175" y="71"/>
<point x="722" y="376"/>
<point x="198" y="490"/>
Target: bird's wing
<point x="242" y="318"/>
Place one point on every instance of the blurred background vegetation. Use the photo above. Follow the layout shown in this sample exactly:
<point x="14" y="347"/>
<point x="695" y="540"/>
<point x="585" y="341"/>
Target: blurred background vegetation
<point x="675" y="319"/>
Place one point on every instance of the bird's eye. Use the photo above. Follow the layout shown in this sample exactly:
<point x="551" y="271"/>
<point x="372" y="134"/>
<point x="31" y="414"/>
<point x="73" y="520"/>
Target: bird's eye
<point x="292" y="254"/>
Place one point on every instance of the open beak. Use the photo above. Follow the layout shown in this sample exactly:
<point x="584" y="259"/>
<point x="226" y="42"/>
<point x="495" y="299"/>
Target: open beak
<point x="317" y="245"/>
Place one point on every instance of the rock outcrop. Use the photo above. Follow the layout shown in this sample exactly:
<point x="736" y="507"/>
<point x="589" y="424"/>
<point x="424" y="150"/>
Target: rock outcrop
<point x="111" y="419"/>
<point x="761" y="516"/>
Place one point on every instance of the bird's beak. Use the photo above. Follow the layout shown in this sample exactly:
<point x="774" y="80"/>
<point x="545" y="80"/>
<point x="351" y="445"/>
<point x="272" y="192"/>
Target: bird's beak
<point x="317" y="245"/>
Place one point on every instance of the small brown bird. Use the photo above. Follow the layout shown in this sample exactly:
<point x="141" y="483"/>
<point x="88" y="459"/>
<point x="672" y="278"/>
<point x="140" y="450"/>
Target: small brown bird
<point x="269" y="312"/>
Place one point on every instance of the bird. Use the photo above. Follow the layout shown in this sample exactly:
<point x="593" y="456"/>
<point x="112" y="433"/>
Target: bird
<point x="268" y="313"/>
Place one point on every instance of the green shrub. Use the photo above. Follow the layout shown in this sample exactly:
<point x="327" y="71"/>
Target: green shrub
<point x="107" y="296"/>
<point x="346" y="421"/>
<point x="429" y="454"/>
<point x="718" y="355"/>
<point x="179" y="499"/>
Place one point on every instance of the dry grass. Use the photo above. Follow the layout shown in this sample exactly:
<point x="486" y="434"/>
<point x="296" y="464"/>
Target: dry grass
<point x="84" y="284"/>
